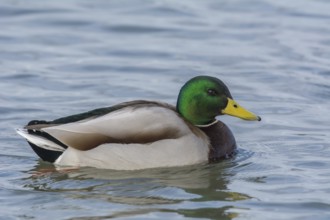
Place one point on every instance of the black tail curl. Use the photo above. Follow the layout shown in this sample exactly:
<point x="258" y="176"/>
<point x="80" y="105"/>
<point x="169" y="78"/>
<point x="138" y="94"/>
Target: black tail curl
<point x="45" y="154"/>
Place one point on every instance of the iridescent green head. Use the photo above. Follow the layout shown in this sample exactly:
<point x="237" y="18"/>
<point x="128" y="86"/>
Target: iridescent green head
<point x="203" y="98"/>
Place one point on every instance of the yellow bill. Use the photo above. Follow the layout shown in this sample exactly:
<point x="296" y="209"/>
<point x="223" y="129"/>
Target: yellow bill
<point x="234" y="109"/>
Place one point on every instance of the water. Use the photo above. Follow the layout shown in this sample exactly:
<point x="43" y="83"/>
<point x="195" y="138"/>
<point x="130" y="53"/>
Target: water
<point x="63" y="57"/>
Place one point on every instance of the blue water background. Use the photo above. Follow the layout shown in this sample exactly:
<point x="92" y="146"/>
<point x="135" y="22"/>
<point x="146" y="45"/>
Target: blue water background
<point x="63" y="57"/>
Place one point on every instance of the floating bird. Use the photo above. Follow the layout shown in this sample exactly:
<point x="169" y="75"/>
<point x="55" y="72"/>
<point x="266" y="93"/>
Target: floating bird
<point x="143" y="134"/>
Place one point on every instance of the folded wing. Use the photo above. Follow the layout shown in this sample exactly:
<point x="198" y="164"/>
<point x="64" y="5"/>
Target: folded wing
<point x="132" y="124"/>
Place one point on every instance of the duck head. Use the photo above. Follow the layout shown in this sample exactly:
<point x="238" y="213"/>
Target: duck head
<point x="203" y="98"/>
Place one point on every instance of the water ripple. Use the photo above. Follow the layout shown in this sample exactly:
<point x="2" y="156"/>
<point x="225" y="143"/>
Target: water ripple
<point x="60" y="58"/>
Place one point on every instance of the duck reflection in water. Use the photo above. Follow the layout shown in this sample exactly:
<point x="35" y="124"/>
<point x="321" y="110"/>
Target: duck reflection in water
<point x="153" y="190"/>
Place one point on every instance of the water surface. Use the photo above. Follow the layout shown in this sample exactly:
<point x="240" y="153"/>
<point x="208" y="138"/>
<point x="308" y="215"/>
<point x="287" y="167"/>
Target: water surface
<point x="62" y="57"/>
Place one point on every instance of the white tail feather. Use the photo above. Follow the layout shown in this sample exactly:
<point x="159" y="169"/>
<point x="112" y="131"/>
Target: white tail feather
<point x="40" y="141"/>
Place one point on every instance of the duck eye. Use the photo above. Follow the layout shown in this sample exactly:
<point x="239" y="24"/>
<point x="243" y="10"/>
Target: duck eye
<point x="212" y="92"/>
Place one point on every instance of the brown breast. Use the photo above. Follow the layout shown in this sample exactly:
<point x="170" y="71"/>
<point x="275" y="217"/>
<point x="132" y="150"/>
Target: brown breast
<point x="223" y="144"/>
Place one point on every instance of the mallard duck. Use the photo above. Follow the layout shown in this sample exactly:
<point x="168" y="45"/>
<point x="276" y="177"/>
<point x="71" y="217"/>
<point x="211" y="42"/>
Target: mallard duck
<point x="143" y="134"/>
